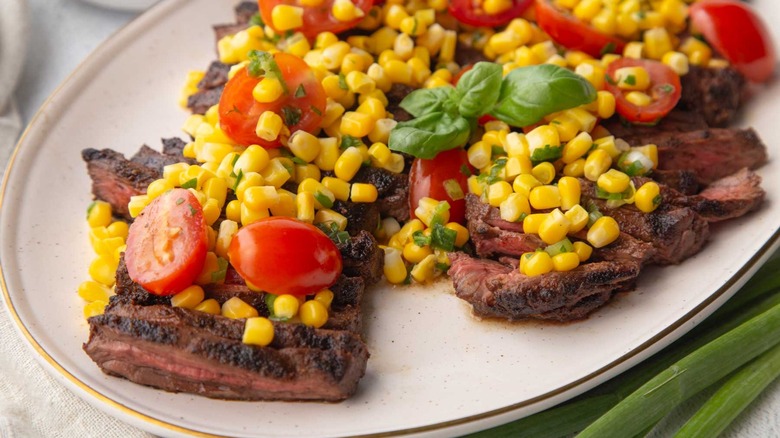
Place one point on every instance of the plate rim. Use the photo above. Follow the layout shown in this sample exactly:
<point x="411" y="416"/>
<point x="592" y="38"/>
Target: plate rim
<point x="53" y="367"/>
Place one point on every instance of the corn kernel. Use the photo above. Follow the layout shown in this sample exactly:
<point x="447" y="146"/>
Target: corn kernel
<point x="524" y="183"/>
<point x="603" y="232"/>
<point x="565" y="261"/>
<point x="544" y="172"/>
<point x="462" y="233"/>
<point x="210" y="306"/>
<point x="498" y="192"/>
<point x="578" y="217"/>
<point x="236" y="308"/>
<point x="554" y="227"/>
<point x="269" y="125"/>
<point x="103" y="269"/>
<point x="348" y="163"/>
<point x="545" y="197"/>
<point x="268" y="90"/>
<point x="424" y="270"/>
<point x="188" y="298"/>
<point x="394" y="267"/>
<point x="597" y="163"/>
<point x="537" y="264"/>
<point x="632" y="78"/>
<point x="258" y="331"/>
<point x="99" y="214"/>
<point x="648" y="197"/>
<point x="532" y="222"/>
<point x="94" y="308"/>
<point x="613" y="181"/>
<point x="93" y="291"/>
<point x="363" y="193"/>
<point x="313" y="313"/>
<point x="514" y="208"/>
<point x="285" y="17"/>
<point x="638" y="98"/>
<point x="583" y="251"/>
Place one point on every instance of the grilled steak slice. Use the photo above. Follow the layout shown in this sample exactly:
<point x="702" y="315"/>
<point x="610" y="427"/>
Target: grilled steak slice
<point x="497" y="290"/>
<point x="216" y="76"/>
<point x="201" y="101"/>
<point x="244" y="12"/>
<point x="181" y="350"/>
<point x="223" y="30"/>
<point x="467" y="55"/>
<point x="394" y="97"/>
<point x="710" y="153"/>
<point x="676" y="121"/>
<point x="676" y="232"/>
<point x="361" y="216"/>
<point x="726" y="198"/>
<point x="362" y="257"/>
<point x="684" y="181"/>
<point x="175" y="146"/>
<point x="115" y="179"/>
<point x="716" y="93"/>
<point x="392" y="189"/>
<point x="493" y="236"/>
<point x="153" y="159"/>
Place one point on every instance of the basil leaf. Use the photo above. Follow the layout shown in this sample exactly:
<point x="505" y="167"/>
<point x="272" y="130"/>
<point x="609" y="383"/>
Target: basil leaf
<point x="426" y="136"/>
<point x="479" y="88"/>
<point x="429" y="100"/>
<point x="530" y="93"/>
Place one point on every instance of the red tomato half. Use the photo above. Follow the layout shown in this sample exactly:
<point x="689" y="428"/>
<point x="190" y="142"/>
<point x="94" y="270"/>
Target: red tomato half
<point x="665" y="89"/>
<point x="465" y="12"/>
<point x="734" y="30"/>
<point x="239" y="111"/>
<point x="572" y="33"/>
<point x="167" y="243"/>
<point x="427" y="178"/>
<point x="316" y="19"/>
<point x="281" y="255"/>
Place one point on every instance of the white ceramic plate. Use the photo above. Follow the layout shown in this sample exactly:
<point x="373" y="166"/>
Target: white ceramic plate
<point x="434" y="370"/>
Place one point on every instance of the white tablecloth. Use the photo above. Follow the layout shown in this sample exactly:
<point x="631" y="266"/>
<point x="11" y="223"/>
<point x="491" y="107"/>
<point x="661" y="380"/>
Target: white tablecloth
<point x="62" y="33"/>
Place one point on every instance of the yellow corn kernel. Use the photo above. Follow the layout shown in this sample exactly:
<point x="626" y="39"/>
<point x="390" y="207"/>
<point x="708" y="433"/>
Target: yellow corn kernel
<point x="592" y="73"/>
<point x="544" y="197"/>
<point x="94" y="308"/>
<point x="554" y="227"/>
<point x="269" y="125"/>
<point x="379" y="153"/>
<point x="348" y="163"/>
<point x="648" y="197"/>
<point x="398" y="71"/>
<point x="333" y="55"/>
<point x="189" y="298"/>
<point x="211" y="211"/>
<point x="304" y="203"/>
<point x="285" y="17"/>
<point x="268" y="90"/>
<point x="363" y="193"/>
<point x="570" y="191"/>
<point x="381" y="131"/>
<point x="517" y="165"/>
<point x="394" y="268"/>
<point x="537" y="263"/>
<point x="328" y="216"/>
<point x="541" y="137"/>
<point x="324" y="297"/>
<point x="93" y="291"/>
<point x="566" y="125"/>
<point x="336" y="88"/>
<point x="329" y="154"/>
<point x="420" y="71"/>
<point x="516" y="144"/>
<point x="338" y="187"/>
<point x="394" y="15"/>
<point x="216" y="189"/>
<point x="494" y="7"/>
<point x="613" y="181"/>
<point x="634" y="50"/>
<point x="429" y="208"/>
<point x="583" y="250"/>
<point x="103" y="269"/>
<point x="503" y="42"/>
<point x="374" y="108"/>
<point x="699" y="53"/>
<point x="227" y="229"/>
<point x="425" y="269"/>
<point x="285" y="306"/>
<point x="565" y="261"/>
<point x="356" y="124"/>
<point x="576" y="147"/>
<point x="233" y="210"/>
<point x="578" y="217"/>
<point x="236" y="308"/>
<point x="99" y="214"/>
<point x="677" y="61"/>
<point x="632" y="78"/>
<point x="658" y="42"/>
<point x="210" y="266"/>
<point x="605" y="21"/>
<point x="597" y="163"/>
<point x="118" y="229"/>
<point x="524" y="183"/>
<point x="210" y="306"/>
<point x="251" y="179"/>
<point x="275" y="174"/>
<point x="359" y="82"/>
<point x="325" y="39"/>
<point x="586" y="120"/>
<point x="532" y="222"/>
<point x="250" y="215"/>
<point x="304" y="145"/>
<point x="313" y="313"/>
<point x="304" y="171"/>
<point x="416" y="254"/>
<point x="462" y="233"/>
<point x="258" y="331"/>
<point x="603" y="232"/>
<point x="498" y="193"/>
<point x="544" y="172"/>
<point x="354" y="63"/>
<point x="605" y="104"/>
<point x="479" y="154"/>
<point x="515" y="207"/>
<point x="639" y="98"/>
<point x="172" y="172"/>
<point x="448" y="45"/>
<point x="260" y="197"/>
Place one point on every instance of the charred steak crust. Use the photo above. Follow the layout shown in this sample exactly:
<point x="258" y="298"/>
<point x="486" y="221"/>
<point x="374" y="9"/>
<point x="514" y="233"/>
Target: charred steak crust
<point x="115" y="179"/>
<point x="715" y="93"/>
<point x="181" y="350"/>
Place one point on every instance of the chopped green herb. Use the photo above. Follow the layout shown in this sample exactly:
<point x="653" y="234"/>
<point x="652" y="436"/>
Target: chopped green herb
<point x="192" y="210"/>
<point x="667" y="88"/>
<point x="300" y="91"/>
<point x="495" y="170"/>
<point x="343" y="82"/>
<point x="221" y="272"/>
<point x="657" y="200"/>
<point x="264" y="64"/>
<point x="496" y="150"/>
<point x="91" y="206"/>
<point x="443" y="267"/>
<point x="269" y="302"/>
<point x="256" y="20"/>
<point x="315" y="110"/>
<point x="608" y="48"/>
<point x="437" y="218"/>
<point x="465" y="170"/>
<point x="420" y="239"/>
<point x="291" y="115"/>
<point x="179" y="201"/>
<point x="453" y="189"/>
<point x="348" y="141"/>
<point x="609" y="79"/>
<point x="323" y="199"/>
<point x="561" y="247"/>
<point x="630" y="80"/>
<point x="443" y="237"/>
<point x="299" y="161"/>
<point x="238" y="179"/>
<point x="546" y="153"/>
<point x="190" y="184"/>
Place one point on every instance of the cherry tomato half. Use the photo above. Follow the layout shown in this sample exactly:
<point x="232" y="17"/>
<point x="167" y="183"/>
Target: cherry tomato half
<point x="427" y="179"/>
<point x="239" y="111"/>
<point x="734" y="30"/>
<point x="167" y="243"/>
<point x="572" y="33"/>
<point x="465" y="12"/>
<point x="316" y="19"/>
<point x="665" y="89"/>
<point x="281" y="255"/>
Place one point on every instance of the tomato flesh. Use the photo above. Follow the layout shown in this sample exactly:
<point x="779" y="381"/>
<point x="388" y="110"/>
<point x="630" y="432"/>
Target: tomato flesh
<point x="239" y="111"/>
<point x="316" y="19"/>
<point x="427" y="179"/>
<point x="665" y="88"/>
<point x="465" y="12"/>
<point x="734" y="30"/>
<point x="569" y="31"/>
<point x="281" y="255"/>
<point x="167" y="243"/>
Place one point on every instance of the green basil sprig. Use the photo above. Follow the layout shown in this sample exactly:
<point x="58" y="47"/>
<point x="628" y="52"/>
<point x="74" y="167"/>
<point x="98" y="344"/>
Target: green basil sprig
<point x="445" y="117"/>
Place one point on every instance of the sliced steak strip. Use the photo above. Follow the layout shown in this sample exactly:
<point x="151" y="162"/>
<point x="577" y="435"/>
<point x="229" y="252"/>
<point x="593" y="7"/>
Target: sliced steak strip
<point x="394" y="97"/>
<point x="710" y="153"/>
<point x="361" y="216"/>
<point x="715" y="93"/>
<point x="175" y="146"/>
<point x="676" y="121"/>
<point x="216" y="76"/>
<point x="494" y="237"/>
<point x="115" y="179"/>
<point x="153" y="159"/>
<point x="684" y="181"/>
<point x="201" y="101"/>
<point x="244" y="11"/>
<point x="496" y="290"/>
<point x="223" y="30"/>
<point x="362" y="257"/>
<point x="675" y="232"/>
<point x="726" y="198"/>
<point x="392" y="189"/>
<point x="181" y="350"/>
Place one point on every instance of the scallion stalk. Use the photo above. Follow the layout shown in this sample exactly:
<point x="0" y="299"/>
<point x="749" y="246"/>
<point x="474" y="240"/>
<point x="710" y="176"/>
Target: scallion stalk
<point x="733" y="397"/>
